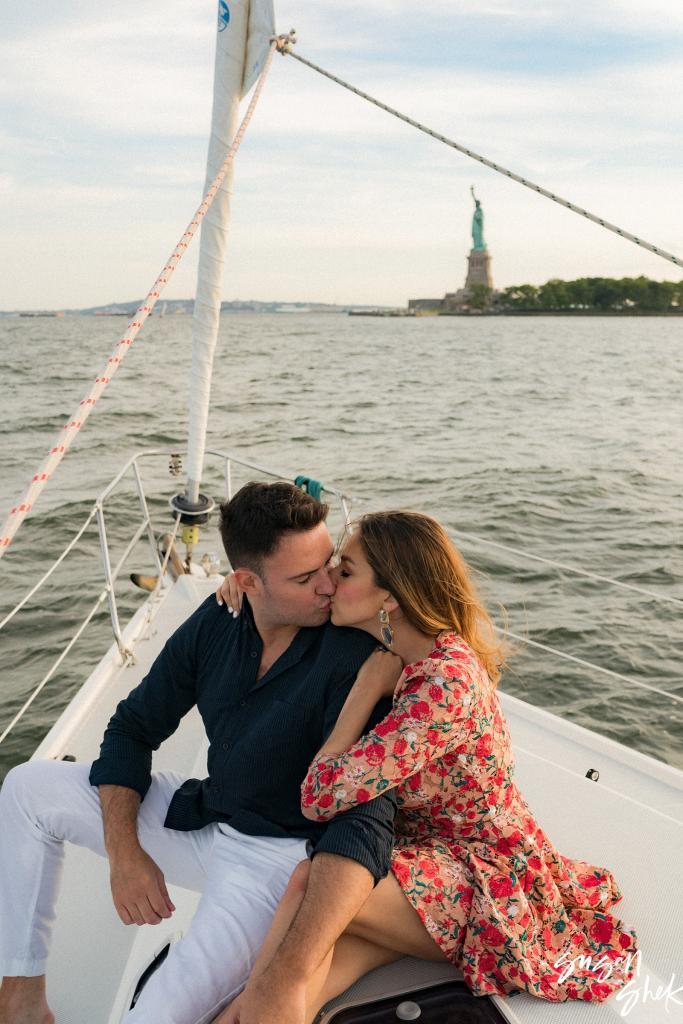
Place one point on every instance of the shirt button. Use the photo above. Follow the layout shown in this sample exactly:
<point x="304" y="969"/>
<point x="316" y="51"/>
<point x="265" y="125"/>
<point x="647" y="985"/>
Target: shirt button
<point x="254" y="654"/>
<point x="243" y="703"/>
<point x="226" y="746"/>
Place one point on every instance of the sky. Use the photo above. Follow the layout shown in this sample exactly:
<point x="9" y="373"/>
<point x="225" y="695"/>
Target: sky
<point x="104" y="119"/>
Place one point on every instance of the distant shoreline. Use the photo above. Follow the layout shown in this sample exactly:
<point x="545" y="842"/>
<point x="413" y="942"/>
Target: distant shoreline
<point x="185" y="307"/>
<point x="373" y="311"/>
<point x="585" y="296"/>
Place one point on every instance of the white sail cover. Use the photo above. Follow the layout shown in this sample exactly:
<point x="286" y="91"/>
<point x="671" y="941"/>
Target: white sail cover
<point x="245" y="28"/>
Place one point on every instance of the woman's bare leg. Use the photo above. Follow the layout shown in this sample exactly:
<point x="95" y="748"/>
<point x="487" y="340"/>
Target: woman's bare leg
<point x="348" y="961"/>
<point x="386" y="928"/>
<point x="388" y="919"/>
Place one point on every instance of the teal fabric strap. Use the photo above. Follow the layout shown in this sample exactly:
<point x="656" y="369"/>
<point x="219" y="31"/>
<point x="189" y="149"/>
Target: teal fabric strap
<point x="311" y="486"/>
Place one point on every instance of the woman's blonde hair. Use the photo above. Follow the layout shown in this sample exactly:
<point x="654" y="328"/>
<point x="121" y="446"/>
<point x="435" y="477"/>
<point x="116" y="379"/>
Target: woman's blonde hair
<point x="412" y="556"/>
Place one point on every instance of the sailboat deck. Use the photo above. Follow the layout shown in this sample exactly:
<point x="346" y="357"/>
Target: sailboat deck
<point x="629" y="821"/>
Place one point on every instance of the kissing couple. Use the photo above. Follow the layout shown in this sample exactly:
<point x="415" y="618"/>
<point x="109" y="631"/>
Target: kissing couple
<point x="359" y="803"/>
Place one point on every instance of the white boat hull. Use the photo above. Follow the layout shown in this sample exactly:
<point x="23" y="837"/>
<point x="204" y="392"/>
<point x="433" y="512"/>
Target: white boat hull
<point x="629" y="821"/>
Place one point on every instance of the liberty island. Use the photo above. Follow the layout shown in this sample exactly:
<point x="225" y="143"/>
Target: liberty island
<point x="477" y="292"/>
<point x="586" y="296"/>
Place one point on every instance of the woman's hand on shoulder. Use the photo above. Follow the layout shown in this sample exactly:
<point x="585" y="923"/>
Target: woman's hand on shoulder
<point x="230" y="594"/>
<point x="381" y="672"/>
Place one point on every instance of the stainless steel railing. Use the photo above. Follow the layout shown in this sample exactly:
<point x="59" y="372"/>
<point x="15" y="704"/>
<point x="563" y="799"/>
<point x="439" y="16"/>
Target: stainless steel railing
<point x="229" y="460"/>
<point x="112" y="571"/>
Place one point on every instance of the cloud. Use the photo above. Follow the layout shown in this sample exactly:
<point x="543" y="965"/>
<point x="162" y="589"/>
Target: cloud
<point x="656" y="17"/>
<point x="357" y="26"/>
<point x="120" y="74"/>
<point x="107" y="119"/>
<point x="624" y="15"/>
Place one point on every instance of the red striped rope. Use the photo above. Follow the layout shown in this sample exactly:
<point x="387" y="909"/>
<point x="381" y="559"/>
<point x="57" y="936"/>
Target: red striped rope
<point x="62" y="442"/>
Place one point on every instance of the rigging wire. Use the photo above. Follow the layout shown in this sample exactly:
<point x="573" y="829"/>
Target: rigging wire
<point x="284" y="44"/>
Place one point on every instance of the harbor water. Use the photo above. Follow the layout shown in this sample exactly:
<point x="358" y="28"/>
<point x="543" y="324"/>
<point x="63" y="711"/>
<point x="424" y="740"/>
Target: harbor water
<point x="558" y="436"/>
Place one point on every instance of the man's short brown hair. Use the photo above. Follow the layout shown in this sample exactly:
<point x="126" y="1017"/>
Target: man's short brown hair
<point x="254" y="520"/>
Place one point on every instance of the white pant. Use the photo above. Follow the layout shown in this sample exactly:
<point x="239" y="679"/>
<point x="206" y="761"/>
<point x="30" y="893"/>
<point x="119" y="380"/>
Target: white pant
<point x="242" y="879"/>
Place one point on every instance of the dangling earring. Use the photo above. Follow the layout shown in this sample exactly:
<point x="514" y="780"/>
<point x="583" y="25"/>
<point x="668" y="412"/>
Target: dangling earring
<point x="385" y="628"/>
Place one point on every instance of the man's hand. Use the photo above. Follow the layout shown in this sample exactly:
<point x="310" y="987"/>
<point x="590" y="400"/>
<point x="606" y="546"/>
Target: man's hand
<point x="267" y="1001"/>
<point x="138" y="888"/>
<point x="137" y="884"/>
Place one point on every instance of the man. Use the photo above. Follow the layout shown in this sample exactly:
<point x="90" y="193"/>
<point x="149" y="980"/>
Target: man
<point x="269" y="687"/>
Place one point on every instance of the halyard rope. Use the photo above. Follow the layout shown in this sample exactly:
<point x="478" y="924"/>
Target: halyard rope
<point x="64" y="439"/>
<point x="284" y="46"/>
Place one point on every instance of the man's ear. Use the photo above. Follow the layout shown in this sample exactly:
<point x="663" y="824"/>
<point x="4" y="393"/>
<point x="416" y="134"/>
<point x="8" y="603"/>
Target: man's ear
<point x="247" y="581"/>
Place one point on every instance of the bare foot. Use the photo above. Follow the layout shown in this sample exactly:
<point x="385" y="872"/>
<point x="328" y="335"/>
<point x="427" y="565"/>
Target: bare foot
<point x="27" y="1016"/>
<point x="23" y="1001"/>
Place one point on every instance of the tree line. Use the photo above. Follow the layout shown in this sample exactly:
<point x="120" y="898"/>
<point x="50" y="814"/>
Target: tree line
<point x="606" y="294"/>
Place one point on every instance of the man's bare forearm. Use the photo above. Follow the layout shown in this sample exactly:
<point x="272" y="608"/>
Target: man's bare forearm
<point x="137" y="883"/>
<point x="120" y="807"/>
<point x="337" y="889"/>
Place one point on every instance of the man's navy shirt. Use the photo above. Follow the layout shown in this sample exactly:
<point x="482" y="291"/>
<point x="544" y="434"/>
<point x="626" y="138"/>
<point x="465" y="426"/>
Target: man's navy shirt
<point x="262" y="733"/>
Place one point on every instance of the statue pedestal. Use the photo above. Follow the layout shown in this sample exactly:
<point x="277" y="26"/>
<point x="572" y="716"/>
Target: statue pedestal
<point x="478" y="273"/>
<point x="468" y="298"/>
<point x="479" y="269"/>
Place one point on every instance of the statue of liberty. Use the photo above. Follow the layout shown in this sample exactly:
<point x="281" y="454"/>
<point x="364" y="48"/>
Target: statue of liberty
<point x="478" y="243"/>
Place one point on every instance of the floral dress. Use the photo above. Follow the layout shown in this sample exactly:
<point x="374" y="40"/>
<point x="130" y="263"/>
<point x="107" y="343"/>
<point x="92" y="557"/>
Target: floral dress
<point x="491" y="889"/>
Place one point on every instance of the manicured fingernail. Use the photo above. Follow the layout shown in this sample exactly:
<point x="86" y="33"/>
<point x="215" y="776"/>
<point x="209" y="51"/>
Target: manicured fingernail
<point x="230" y="610"/>
<point x="219" y="600"/>
<point x="235" y="615"/>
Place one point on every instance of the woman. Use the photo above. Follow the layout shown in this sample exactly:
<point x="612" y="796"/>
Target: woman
<point x="474" y="878"/>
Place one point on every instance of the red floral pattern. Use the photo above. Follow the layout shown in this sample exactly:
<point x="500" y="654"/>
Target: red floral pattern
<point x="491" y="889"/>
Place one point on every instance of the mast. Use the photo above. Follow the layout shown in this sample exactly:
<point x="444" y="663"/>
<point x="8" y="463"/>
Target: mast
<point x="243" y="35"/>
